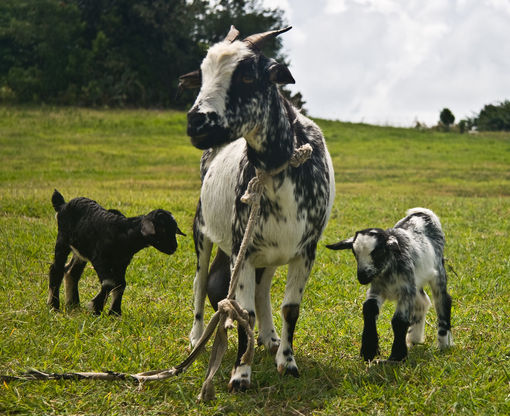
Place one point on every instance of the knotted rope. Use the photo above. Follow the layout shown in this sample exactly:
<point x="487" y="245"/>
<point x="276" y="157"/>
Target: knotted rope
<point x="228" y="311"/>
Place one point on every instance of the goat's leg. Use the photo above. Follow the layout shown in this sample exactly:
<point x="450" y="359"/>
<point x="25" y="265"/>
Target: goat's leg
<point x="245" y="295"/>
<point x="443" y="306"/>
<point x="369" y="337"/>
<point x="297" y="276"/>
<point x="203" y="247"/>
<point x="267" y="332"/>
<point x="400" y="323"/>
<point x="416" y="332"/>
<point x="56" y="274"/>
<point x="72" y="275"/>
<point x="108" y="283"/>
<point x="117" y="293"/>
<point x="218" y="280"/>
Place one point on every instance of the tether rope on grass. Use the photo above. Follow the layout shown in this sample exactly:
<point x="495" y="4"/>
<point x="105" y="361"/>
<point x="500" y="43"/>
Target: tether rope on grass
<point x="228" y="311"/>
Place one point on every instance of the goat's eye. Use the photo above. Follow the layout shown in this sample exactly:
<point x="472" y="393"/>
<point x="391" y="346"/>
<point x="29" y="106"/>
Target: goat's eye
<point x="247" y="79"/>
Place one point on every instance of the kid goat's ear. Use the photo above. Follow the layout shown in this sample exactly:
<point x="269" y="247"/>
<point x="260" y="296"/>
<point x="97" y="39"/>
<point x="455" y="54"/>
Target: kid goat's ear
<point x="342" y="245"/>
<point x="392" y="242"/>
<point x="148" y="227"/>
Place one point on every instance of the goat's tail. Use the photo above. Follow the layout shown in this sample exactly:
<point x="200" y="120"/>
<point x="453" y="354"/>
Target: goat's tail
<point x="57" y="200"/>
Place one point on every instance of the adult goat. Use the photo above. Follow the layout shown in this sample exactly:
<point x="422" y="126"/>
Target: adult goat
<point x="243" y="123"/>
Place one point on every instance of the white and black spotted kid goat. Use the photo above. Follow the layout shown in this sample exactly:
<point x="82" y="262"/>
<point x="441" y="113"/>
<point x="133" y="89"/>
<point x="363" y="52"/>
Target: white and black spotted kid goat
<point x="243" y="123"/>
<point x="109" y="241"/>
<point x="398" y="263"/>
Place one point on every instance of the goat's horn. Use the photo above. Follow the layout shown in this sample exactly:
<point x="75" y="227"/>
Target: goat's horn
<point x="257" y="40"/>
<point x="232" y="34"/>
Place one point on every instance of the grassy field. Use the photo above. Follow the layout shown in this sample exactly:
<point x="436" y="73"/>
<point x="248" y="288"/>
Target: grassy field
<point x="136" y="161"/>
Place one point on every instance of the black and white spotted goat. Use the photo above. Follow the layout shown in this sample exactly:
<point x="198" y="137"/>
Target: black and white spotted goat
<point x="109" y="241"/>
<point x="243" y="123"/>
<point x="398" y="263"/>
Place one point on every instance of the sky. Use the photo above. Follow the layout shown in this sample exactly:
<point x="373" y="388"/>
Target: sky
<point x="395" y="62"/>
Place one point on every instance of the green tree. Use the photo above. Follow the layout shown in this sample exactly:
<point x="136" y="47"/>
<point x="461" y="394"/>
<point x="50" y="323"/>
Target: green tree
<point x="248" y="16"/>
<point x="446" y="118"/>
<point x="494" y="117"/>
<point x="38" y="39"/>
<point x="115" y="52"/>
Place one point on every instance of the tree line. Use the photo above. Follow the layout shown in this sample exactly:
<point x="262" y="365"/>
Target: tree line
<point x="492" y="117"/>
<point x="115" y="52"/>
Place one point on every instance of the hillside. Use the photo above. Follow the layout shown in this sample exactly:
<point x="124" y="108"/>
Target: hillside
<point x="138" y="160"/>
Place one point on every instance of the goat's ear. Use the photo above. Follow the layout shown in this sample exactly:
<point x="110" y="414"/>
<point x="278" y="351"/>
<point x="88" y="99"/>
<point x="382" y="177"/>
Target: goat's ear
<point x="178" y="231"/>
<point x="342" y="245"/>
<point x="392" y="242"/>
<point x="148" y="227"/>
<point x="191" y="80"/>
<point x="280" y="74"/>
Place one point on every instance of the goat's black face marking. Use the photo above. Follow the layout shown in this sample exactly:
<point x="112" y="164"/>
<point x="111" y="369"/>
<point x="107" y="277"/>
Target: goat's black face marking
<point x="205" y="132"/>
<point x="369" y="248"/>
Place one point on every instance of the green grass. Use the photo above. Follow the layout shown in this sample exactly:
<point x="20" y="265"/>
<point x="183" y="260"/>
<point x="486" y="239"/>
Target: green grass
<point x="136" y="161"/>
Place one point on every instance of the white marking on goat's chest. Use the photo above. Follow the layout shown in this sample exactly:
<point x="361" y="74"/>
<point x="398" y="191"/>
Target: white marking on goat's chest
<point x="286" y="229"/>
<point x="281" y="232"/>
<point x="218" y="194"/>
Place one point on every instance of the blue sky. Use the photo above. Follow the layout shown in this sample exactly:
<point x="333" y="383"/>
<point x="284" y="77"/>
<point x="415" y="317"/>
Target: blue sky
<point x="398" y="61"/>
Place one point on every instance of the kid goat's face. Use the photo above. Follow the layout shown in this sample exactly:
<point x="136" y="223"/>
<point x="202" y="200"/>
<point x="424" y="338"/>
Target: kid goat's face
<point x="370" y="248"/>
<point x="159" y="229"/>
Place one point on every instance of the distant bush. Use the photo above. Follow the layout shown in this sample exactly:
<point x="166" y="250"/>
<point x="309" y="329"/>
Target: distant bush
<point x="462" y="126"/>
<point x="494" y="117"/>
<point x="446" y="118"/>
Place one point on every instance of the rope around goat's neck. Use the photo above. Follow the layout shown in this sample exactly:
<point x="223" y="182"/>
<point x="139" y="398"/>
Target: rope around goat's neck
<point x="229" y="309"/>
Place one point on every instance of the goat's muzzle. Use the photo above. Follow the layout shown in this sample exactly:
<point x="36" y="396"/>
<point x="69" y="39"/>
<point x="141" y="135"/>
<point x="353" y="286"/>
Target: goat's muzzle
<point x="204" y="130"/>
<point x="196" y="123"/>
<point x="364" y="277"/>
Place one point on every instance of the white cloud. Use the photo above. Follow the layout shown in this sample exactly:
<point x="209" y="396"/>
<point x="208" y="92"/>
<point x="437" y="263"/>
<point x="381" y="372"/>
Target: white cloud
<point x="335" y="6"/>
<point x="392" y="61"/>
<point x="500" y="5"/>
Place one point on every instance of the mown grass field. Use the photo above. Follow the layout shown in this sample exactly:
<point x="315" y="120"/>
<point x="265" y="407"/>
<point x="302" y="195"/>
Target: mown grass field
<point x="136" y="161"/>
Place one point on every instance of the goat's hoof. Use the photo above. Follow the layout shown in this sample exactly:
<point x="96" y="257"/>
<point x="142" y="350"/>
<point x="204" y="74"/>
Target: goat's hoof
<point x="53" y="305"/>
<point x="289" y="369"/>
<point x="196" y="334"/>
<point x="270" y="345"/>
<point x="93" y="309"/>
<point x="369" y="354"/>
<point x="394" y="360"/>
<point x="293" y="371"/>
<point x="240" y="380"/>
<point x="72" y="306"/>
<point x="369" y="357"/>
<point x="445" y="340"/>
<point x="238" y="385"/>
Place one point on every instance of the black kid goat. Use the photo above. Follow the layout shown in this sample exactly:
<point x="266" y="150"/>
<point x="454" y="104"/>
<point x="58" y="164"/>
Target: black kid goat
<point x="107" y="239"/>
